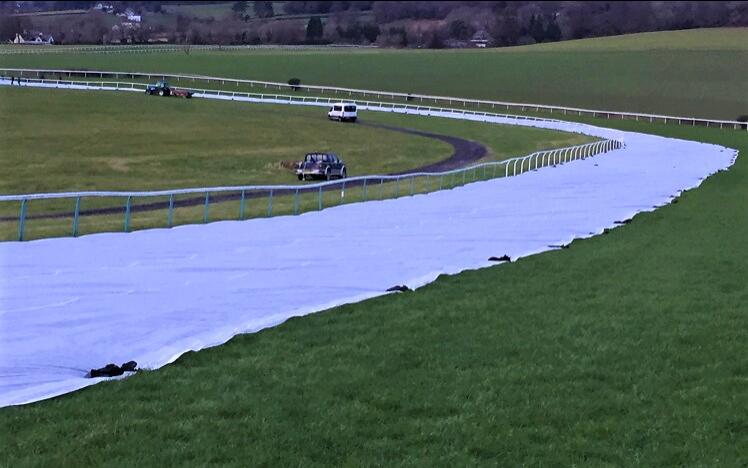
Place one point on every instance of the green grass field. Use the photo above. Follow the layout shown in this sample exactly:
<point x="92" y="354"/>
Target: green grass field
<point x="688" y="73"/>
<point x="626" y="349"/>
<point x="56" y="141"/>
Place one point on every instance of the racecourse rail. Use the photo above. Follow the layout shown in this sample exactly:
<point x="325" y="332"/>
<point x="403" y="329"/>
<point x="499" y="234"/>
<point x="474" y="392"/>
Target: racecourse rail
<point x="693" y="121"/>
<point x="432" y="180"/>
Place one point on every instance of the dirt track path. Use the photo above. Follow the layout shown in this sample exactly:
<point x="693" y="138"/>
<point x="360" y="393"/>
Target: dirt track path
<point x="465" y="152"/>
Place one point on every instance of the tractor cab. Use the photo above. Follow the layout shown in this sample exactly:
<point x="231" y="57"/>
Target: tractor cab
<point x="161" y="88"/>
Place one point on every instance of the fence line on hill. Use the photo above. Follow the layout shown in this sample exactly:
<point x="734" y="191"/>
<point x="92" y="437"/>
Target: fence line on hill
<point x="692" y="121"/>
<point x="113" y="49"/>
<point x="261" y="97"/>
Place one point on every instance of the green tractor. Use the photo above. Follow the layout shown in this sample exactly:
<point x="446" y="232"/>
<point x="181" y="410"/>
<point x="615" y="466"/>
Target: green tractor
<point x="162" y="88"/>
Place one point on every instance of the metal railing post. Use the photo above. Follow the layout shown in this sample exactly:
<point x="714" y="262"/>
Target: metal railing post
<point x="128" y="205"/>
<point x="270" y="203"/>
<point x="242" y="205"/>
<point x="170" y="215"/>
<point x="319" y="198"/>
<point x="22" y="219"/>
<point x="296" y="202"/>
<point x="364" y="194"/>
<point x="207" y="204"/>
<point x="76" y="215"/>
<point x="411" y="185"/>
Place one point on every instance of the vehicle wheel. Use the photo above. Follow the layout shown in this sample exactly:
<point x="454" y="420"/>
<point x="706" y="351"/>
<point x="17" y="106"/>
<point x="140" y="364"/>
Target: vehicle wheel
<point x="161" y="92"/>
<point x="301" y="177"/>
<point x="328" y="176"/>
<point x="353" y="119"/>
<point x="343" y="173"/>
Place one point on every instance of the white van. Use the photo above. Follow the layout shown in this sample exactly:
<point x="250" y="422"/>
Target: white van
<point x="343" y="112"/>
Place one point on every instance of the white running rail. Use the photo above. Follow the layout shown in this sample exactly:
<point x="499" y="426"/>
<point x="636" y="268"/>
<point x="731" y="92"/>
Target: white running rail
<point x="693" y="121"/>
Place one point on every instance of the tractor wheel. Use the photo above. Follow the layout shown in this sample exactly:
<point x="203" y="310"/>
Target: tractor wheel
<point x="161" y="92"/>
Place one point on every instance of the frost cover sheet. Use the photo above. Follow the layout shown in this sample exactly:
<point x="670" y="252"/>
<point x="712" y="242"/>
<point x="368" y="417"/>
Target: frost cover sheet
<point x="71" y="304"/>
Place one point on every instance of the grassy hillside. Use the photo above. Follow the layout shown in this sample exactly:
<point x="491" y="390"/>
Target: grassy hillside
<point x="689" y="73"/>
<point x="123" y="141"/>
<point x="624" y="350"/>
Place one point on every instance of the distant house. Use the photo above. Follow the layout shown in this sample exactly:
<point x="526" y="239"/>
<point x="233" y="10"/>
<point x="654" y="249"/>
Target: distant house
<point x="481" y="39"/>
<point x="160" y="38"/>
<point x="39" y="39"/>
<point x="106" y="7"/>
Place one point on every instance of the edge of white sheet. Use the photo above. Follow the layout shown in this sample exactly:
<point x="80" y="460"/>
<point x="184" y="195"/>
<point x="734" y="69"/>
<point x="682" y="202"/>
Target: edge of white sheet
<point x="710" y="159"/>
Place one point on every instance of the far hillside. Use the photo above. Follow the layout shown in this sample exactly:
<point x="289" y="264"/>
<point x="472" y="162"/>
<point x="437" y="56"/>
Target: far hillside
<point x="700" y="72"/>
<point x="421" y="24"/>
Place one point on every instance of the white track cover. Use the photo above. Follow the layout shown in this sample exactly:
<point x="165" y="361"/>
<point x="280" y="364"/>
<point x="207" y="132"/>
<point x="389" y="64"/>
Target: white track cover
<point x="71" y="304"/>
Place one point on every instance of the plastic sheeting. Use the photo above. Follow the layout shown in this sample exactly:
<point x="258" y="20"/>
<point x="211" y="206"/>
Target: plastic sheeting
<point x="71" y="304"/>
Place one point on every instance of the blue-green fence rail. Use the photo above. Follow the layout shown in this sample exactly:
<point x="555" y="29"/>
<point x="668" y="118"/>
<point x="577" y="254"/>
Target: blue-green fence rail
<point x="371" y="187"/>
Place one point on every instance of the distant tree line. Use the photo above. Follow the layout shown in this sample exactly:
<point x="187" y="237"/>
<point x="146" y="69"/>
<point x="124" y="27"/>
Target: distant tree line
<point x="422" y="24"/>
